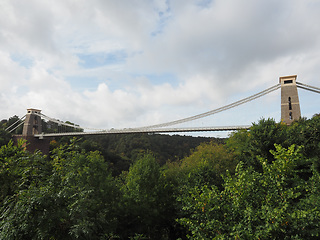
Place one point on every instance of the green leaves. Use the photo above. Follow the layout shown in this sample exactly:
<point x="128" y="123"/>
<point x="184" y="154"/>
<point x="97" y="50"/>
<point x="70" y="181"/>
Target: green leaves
<point x="263" y="184"/>
<point x="5" y="136"/>
<point x="206" y="165"/>
<point x="272" y="204"/>
<point x="148" y="201"/>
<point x="71" y="196"/>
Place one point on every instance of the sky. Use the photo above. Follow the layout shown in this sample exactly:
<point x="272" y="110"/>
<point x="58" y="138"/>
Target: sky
<point x="131" y="63"/>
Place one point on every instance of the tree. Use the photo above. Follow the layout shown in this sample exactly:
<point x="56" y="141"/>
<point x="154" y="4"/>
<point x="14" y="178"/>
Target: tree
<point x="206" y="165"/>
<point x="75" y="198"/>
<point x="273" y="204"/>
<point x="306" y="132"/>
<point x="258" y="141"/>
<point x="18" y="169"/>
<point x="147" y="204"/>
<point x="5" y="136"/>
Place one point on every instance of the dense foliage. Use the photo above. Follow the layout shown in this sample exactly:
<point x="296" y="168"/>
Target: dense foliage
<point x="273" y="204"/>
<point x="263" y="183"/>
<point x="124" y="149"/>
<point x="164" y="147"/>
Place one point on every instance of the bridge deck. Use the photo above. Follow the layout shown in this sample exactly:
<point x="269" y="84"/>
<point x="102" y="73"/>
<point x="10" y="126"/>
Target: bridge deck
<point x="145" y="130"/>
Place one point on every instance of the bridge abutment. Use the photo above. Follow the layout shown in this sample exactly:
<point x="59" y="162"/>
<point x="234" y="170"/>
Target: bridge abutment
<point x="33" y="144"/>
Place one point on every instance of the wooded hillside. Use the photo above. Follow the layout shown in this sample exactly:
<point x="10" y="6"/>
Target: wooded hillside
<point x="261" y="183"/>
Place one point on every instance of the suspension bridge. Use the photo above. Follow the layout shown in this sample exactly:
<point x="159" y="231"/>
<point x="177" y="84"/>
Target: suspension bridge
<point x="290" y="111"/>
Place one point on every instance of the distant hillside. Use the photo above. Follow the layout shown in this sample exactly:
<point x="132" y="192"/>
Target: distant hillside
<point x="124" y="149"/>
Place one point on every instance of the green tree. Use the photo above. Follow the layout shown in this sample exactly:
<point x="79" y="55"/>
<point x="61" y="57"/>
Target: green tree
<point x="76" y="198"/>
<point x="147" y="203"/>
<point x="20" y="169"/>
<point x="206" y="165"/>
<point x="5" y="136"/>
<point x="306" y="132"/>
<point x="273" y="204"/>
<point x="258" y="141"/>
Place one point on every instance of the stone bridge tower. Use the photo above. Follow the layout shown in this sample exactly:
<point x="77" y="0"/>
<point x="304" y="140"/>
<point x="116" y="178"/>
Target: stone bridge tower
<point x="290" y="106"/>
<point x="32" y="124"/>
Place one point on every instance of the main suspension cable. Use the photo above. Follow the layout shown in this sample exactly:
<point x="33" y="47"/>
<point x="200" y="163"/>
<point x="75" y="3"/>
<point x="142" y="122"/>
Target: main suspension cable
<point x="221" y="109"/>
<point x="308" y="87"/>
<point x="183" y="120"/>
<point x="18" y="121"/>
<point x="188" y="119"/>
<point x="66" y="124"/>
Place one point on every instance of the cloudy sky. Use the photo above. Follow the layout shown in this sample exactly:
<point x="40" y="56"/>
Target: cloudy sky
<point x="128" y="63"/>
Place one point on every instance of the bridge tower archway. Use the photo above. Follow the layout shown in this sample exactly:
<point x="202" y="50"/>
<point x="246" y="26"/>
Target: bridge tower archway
<point x="290" y="105"/>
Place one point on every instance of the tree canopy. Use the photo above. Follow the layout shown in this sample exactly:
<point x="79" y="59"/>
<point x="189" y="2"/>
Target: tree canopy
<point x="261" y="183"/>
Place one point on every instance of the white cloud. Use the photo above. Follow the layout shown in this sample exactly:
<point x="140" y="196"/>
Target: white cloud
<point x="210" y="54"/>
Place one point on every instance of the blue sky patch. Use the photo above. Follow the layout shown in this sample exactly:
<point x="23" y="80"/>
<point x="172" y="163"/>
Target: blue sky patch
<point x="164" y="18"/>
<point x="83" y="83"/>
<point x="22" y="60"/>
<point x="204" y="3"/>
<point x="96" y="60"/>
<point x="162" y="78"/>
